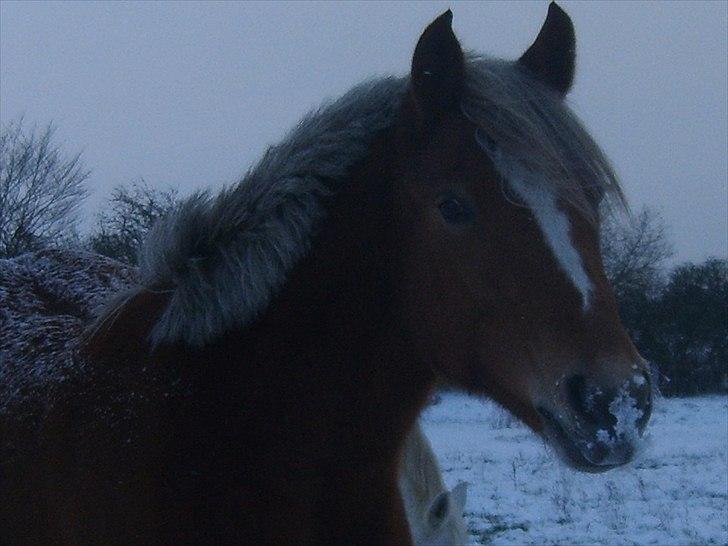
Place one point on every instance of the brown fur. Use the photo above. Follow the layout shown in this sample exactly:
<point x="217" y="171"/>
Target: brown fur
<point x="288" y="431"/>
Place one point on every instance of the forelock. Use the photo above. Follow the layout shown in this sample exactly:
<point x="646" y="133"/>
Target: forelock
<point x="525" y="126"/>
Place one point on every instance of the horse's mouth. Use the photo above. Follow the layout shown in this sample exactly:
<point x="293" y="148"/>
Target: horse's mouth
<point x="587" y="454"/>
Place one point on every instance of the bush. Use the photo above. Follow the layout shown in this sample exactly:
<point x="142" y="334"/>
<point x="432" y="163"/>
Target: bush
<point x="132" y="211"/>
<point x="686" y="332"/>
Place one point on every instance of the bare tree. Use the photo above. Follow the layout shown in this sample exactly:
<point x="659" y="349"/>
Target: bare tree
<point x="40" y="189"/>
<point x="634" y="252"/>
<point x="132" y="211"/>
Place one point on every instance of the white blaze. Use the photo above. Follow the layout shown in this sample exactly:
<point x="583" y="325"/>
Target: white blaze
<point x="557" y="232"/>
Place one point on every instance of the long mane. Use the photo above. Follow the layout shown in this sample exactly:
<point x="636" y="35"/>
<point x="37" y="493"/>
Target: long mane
<point x="532" y="135"/>
<point x="222" y="258"/>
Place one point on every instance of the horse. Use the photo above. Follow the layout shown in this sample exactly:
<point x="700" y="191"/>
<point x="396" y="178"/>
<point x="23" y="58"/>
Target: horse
<point x="257" y="384"/>
<point x="51" y="294"/>
<point x="434" y="514"/>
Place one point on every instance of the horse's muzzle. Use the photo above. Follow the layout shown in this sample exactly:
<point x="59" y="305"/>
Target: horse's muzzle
<point x="602" y="427"/>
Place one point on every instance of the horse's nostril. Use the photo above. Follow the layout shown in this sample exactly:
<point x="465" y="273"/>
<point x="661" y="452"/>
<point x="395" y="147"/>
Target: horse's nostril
<point x="574" y="388"/>
<point x="590" y="403"/>
<point x="579" y="398"/>
<point x="600" y="408"/>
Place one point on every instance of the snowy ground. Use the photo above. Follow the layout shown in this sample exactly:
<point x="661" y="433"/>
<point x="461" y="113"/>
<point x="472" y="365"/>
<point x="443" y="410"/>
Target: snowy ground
<point x="675" y="493"/>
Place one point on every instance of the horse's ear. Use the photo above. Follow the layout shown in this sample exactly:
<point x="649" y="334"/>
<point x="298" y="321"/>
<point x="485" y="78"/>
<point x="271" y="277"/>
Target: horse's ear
<point x="459" y="495"/>
<point x="438" y="511"/>
<point x="124" y="324"/>
<point x="552" y="55"/>
<point x="438" y="69"/>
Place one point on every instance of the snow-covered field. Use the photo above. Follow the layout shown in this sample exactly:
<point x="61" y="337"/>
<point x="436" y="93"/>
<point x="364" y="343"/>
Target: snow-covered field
<point x="675" y="493"/>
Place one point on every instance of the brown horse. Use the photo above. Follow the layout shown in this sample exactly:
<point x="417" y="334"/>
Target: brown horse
<point x="257" y="385"/>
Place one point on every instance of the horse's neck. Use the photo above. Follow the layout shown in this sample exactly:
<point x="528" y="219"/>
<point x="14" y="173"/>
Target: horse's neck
<point x="331" y="336"/>
<point x="322" y="388"/>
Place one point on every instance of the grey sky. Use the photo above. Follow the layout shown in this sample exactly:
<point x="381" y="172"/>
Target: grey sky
<point x="189" y="94"/>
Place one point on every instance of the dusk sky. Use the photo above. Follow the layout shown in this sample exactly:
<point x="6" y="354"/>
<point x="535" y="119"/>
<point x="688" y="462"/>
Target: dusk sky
<point x="189" y="94"/>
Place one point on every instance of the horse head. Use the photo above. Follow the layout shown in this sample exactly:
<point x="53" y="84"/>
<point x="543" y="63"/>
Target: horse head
<point x="444" y="523"/>
<point x="498" y="192"/>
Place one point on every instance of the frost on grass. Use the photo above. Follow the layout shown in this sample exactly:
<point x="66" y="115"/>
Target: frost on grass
<point x="675" y="493"/>
<point x="46" y="300"/>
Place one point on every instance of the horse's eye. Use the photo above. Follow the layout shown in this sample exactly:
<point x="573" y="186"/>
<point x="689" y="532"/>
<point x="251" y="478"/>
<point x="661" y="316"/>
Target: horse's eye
<point x="455" y="210"/>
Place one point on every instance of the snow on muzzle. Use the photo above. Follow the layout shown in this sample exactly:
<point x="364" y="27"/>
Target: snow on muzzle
<point x="601" y="427"/>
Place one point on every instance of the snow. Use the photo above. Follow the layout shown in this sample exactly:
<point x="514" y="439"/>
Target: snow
<point x="675" y="493"/>
<point x="624" y="409"/>
<point x="47" y="298"/>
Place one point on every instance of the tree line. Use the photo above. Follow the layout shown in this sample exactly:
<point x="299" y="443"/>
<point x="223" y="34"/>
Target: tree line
<point x="676" y="316"/>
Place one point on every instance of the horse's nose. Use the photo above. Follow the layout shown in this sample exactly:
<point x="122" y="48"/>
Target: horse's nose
<point x="619" y="412"/>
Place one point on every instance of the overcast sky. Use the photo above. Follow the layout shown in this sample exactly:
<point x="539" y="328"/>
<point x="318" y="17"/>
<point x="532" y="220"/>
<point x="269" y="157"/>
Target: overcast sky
<point x="189" y="94"/>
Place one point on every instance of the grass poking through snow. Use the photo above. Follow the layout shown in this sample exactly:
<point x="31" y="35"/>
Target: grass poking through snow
<point x="675" y="493"/>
